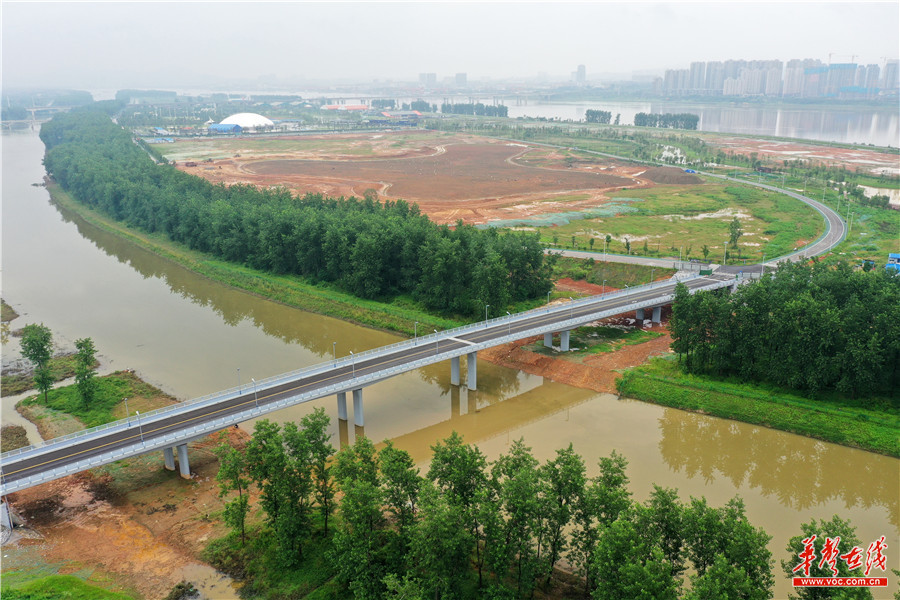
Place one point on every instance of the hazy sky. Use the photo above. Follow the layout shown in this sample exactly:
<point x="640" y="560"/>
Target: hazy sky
<point x="110" y="45"/>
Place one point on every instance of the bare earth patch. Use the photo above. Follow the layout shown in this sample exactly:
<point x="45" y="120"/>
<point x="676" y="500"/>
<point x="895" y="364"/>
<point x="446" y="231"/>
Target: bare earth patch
<point x="451" y="178"/>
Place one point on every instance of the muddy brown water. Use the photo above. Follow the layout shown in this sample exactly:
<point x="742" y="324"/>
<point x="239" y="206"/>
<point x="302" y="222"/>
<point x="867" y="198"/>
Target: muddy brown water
<point x="190" y="336"/>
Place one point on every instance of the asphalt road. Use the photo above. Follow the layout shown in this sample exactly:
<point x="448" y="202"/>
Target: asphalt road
<point x="18" y="467"/>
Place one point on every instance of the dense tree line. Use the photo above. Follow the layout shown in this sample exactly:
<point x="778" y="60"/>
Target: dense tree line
<point x="479" y="109"/>
<point x="368" y="248"/>
<point x="810" y="328"/>
<point x="667" y="120"/>
<point x="597" y="116"/>
<point x="472" y="528"/>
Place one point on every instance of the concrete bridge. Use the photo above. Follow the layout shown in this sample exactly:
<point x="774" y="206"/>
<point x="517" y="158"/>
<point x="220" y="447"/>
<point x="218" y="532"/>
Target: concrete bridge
<point x="170" y="429"/>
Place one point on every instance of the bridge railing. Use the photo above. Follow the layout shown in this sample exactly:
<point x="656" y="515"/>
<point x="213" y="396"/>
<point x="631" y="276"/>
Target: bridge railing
<point x="263" y="384"/>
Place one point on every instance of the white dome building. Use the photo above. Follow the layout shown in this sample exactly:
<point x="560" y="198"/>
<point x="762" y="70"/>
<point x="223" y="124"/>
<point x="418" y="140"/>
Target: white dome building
<point x="248" y="121"/>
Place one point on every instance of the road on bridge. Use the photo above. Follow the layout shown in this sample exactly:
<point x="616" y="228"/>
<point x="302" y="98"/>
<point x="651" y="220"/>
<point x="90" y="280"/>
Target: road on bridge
<point x="34" y="463"/>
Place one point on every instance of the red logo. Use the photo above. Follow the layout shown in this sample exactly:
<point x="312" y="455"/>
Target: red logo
<point x="853" y="558"/>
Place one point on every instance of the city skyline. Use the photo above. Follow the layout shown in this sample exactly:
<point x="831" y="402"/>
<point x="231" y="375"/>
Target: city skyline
<point x="117" y="45"/>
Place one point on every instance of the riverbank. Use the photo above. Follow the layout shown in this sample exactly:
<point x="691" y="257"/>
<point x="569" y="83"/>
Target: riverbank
<point x="400" y="315"/>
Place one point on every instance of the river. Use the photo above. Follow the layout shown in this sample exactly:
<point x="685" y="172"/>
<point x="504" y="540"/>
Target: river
<point x="191" y="336"/>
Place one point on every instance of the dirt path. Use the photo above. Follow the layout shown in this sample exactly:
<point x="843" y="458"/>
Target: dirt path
<point x="598" y="373"/>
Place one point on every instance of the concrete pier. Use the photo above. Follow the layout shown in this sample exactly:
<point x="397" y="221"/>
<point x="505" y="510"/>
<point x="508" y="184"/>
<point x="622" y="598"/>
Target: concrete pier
<point x="472" y="370"/>
<point x="169" y="456"/>
<point x="5" y="517"/>
<point x="358" y="418"/>
<point x="342" y="406"/>
<point x="564" y="340"/>
<point x="184" y="467"/>
<point x="639" y="317"/>
<point x="548" y="340"/>
<point x="657" y="315"/>
<point x="454" y="371"/>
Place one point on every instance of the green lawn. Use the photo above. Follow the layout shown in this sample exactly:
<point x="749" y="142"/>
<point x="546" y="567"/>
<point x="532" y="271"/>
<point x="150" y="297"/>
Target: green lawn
<point x="56" y="587"/>
<point x="874" y="426"/>
<point x="587" y="341"/>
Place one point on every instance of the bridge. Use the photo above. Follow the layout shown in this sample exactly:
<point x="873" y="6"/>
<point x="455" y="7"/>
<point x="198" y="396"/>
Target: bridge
<point x="171" y="429"/>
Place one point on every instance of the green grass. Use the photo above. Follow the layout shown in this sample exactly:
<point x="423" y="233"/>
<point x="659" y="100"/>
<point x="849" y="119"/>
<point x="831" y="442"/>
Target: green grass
<point x="61" y="367"/>
<point x="587" y="341"/>
<point x="666" y="217"/>
<point x="58" y="587"/>
<point x="616" y="275"/>
<point x="874" y="426"/>
<point x="111" y="389"/>
<point x="399" y="314"/>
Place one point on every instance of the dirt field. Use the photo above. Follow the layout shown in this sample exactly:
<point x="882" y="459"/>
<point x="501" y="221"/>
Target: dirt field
<point x="850" y="158"/>
<point x="133" y="524"/>
<point x="450" y="177"/>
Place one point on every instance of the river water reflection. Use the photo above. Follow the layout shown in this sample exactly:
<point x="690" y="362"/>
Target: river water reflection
<point x="190" y="336"/>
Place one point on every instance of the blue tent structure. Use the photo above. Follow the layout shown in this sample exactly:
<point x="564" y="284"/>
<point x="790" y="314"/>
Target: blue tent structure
<point x="220" y="128"/>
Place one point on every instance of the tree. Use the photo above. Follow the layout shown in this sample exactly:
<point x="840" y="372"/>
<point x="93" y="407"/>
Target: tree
<point x="232" y="477"/>
<point x="705" y="251"/>
<point x="564" y="483"/>
<point x="401" y="483"/>
<point x="843" y="539"/>
<point x="591" y="242"/>
<point x="441" y="544"/>
<point x="315" y="429"/>
<point x="626" y="565"/>
<point x="734" y="232"/>
<point x="84" y="370"/>
<point x="37" y="345"/>
<point x="608" y="240"/>
<point x="627" y="246"/>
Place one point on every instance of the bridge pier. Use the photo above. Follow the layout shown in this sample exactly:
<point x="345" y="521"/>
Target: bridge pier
<point x="639" y="317"/>
<point x="342" y="406"/>
<point x="184" y="467"/>
<point x="472" y="370"/>
<point x="169" y="456"/>
<point x="455" y="409"/>
<point x="548" y="340"/>
<point x="657" y="315"/>
<point x="564" y="340"/>
<point x="5" y="517"/>
<point x="454" y="370"/>
<point x="358" y="418"/>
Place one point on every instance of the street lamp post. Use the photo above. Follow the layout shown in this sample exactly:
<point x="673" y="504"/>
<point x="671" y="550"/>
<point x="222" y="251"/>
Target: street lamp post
<point x="255" y="395"/>
<point x="140" y="427"/>
<point x="127" y="416"/>
<point x="651" y="274"/>
<point x="486" y="306"/>
<point x="548" y="297"/>
<point x="604" y="287"/>
<point x="239" y="380"/>
<point x="509" y="324"/>
<point x="352" y="365"/>
<point x="571" y="308"/>
<point x="415" y="333"/>
<point x="436" y="342"/>
<point x="725" y="258"/>
<point x="334" y="352"/>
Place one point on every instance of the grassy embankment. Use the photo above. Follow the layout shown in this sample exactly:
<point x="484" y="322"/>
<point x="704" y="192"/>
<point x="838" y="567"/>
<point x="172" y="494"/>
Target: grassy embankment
<point x="12" y="437"/>
<point x="398" y="315"/>
<point x="53" y="587"/>
<point x="63" y="411"/>
<point x="872" y="425"/>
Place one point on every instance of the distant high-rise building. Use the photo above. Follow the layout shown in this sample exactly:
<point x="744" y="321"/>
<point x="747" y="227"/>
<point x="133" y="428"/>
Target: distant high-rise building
<point x="698" y="77"/>
<point x="891" y="75"/>
<point x="871" y="82"/>
<point x="793" y="78"/>
<point x="715" y="77"/>
<point x="840" y="75"/>
<point x="580" y="75"/>
<point x="428" y="79"/>
<point x="461" y="80"/>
